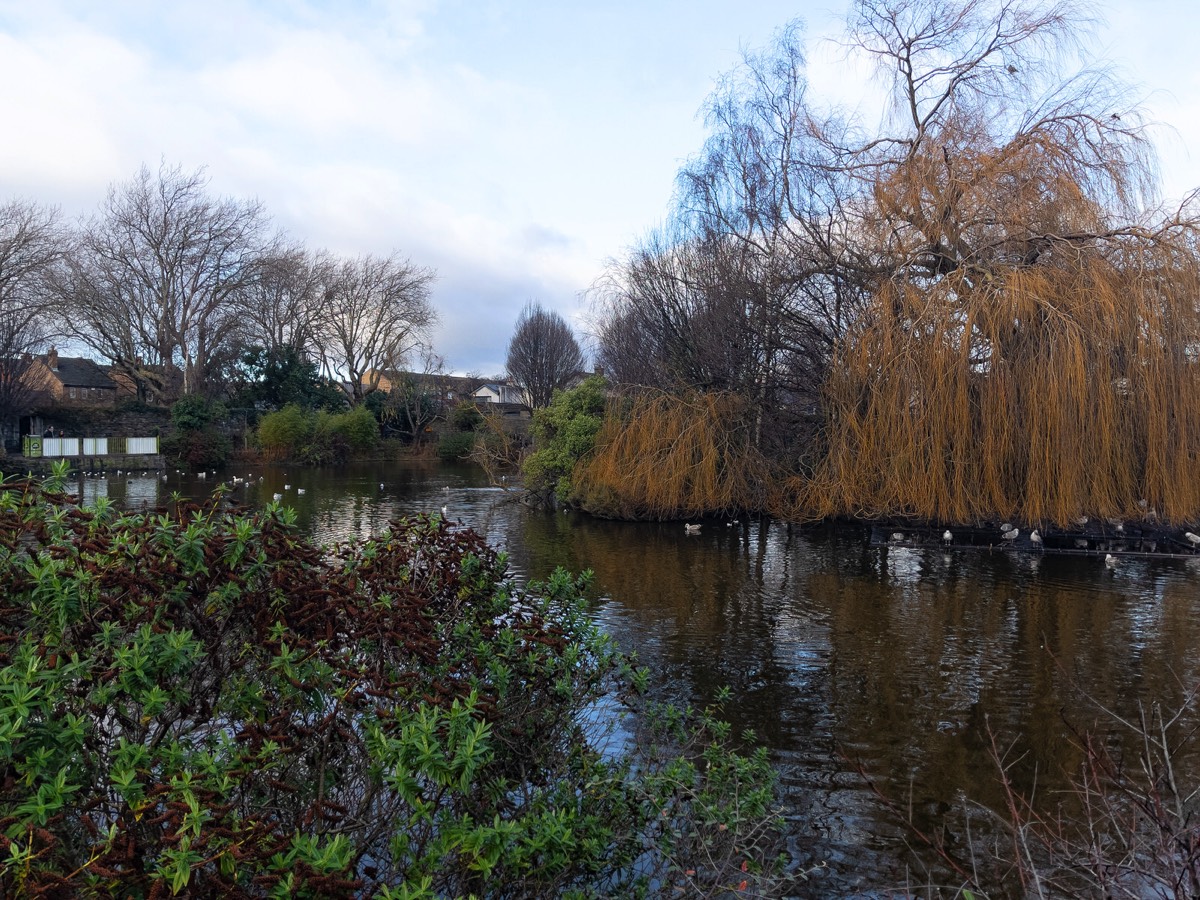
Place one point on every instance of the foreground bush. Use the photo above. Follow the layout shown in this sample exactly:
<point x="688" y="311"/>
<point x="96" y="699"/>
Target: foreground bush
<point x="201" y="702"/>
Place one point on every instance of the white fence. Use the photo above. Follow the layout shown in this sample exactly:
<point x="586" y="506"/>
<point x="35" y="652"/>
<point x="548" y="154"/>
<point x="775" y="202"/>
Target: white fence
<point x="89" y="446"/>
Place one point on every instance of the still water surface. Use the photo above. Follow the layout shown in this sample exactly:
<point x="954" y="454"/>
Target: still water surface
<point x="843" y="657"/>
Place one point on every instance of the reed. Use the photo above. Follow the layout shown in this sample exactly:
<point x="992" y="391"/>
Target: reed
<point x="1039" y="393"/>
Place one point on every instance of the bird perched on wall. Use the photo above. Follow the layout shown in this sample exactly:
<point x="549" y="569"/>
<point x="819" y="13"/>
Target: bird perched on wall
<point x="1011" y="534"/>
<point x="688" y="528"/>
<point x="947" y="537"/>
<point x="1035" y="539"/>
<point x="1193" y="539"/>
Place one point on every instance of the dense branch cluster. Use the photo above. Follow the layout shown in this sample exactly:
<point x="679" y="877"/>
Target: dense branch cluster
<point x="974" y="308"/>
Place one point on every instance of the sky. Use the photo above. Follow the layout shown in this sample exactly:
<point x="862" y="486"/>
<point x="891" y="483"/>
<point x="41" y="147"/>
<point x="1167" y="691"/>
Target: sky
<point x="516" y="147"/>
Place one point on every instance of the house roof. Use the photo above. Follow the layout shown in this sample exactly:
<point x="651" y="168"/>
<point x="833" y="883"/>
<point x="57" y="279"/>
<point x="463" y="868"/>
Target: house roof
<point x="75" y="371"/>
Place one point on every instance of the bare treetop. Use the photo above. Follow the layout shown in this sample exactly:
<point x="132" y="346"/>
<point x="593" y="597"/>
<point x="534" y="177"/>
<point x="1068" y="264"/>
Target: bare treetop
<point x="375" y="311"/>
<point x="543" y="355"/>
<point x="156" y="280"/>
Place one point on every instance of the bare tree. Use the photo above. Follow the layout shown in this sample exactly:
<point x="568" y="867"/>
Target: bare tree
<point x="543" y="355"/>
<point x="156" y="280"/>
<point x="31" y="244"/>
<point x="374" y="312"/>
<point x="417" y="398"/>
<point x="279" y="308"/>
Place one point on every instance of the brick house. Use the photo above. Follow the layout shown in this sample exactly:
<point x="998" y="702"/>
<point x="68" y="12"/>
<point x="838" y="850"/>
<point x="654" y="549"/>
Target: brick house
<point x="70" y="381"/>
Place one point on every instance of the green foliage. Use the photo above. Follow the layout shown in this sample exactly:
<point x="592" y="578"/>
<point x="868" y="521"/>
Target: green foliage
<point x="272" y="379"/>
<point x="359" y="427"/>
<point x="456" y="445"/>
<point x="193" y="412"/>
<point x="197" y="442"/>
<point x="207" y="704"/>
<point x="412" y="405"/>
<point x="206" y="448"/>
<point x="465" y="416"/>
<point x="564" y="433"/>
<point x="282" y="433"/>
<point x="317" y="437"/>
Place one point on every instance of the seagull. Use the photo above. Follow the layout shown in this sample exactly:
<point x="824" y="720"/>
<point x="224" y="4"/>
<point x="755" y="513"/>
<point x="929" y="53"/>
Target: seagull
<point x="1081" y="543"/>
<point x="381" y="485"/>
<point x="1035" y="538"/>
<point x="691" y="529"/>
<point x="1081" y="521"/>
<point x="277" y="497"/>
<point x="1007" y="526"/>
<point x="1010" y="534"/>
<point x="287" y="487"/>
<point x="299" y="490"/>
<point x="1193" y="539"/>
<point x="444" y="512"/>
<point x="897" y="535"/>
<point x="1110" y="560"/>
<point x="947" y="537"/>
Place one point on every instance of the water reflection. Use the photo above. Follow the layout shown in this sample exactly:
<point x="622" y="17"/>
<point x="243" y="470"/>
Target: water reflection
<point x="840" y="655"/>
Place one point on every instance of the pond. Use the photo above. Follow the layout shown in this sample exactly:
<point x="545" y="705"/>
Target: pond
<point x="846" y="659"/>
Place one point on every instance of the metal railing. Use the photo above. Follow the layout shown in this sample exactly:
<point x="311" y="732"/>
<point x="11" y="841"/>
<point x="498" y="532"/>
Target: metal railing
<point x="34" y="446"/>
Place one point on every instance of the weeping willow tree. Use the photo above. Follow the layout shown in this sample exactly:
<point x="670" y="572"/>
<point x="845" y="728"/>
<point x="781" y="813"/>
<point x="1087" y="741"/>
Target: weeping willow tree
<point x="1029" y="346"/>
<point x="662" y="455"/>
<point x="980" y="300"/>
<point x="1039" y="395"/>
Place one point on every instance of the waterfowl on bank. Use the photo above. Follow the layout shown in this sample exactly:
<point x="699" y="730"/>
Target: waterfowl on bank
<point x="947" y="537"/>
<point x="1011" y="534"/>
<point x="1193" y="539"/>
<point x="1035" y="538"/>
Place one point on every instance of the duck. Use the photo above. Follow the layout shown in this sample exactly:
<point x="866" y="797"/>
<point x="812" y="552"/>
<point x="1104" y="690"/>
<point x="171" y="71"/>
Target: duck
<point x="689" y="528"/>
<point x="1110" y="561"/>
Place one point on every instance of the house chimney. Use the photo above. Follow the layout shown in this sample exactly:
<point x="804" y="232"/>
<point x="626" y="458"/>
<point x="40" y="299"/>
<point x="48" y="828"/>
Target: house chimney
<point x="52" y="359"/>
